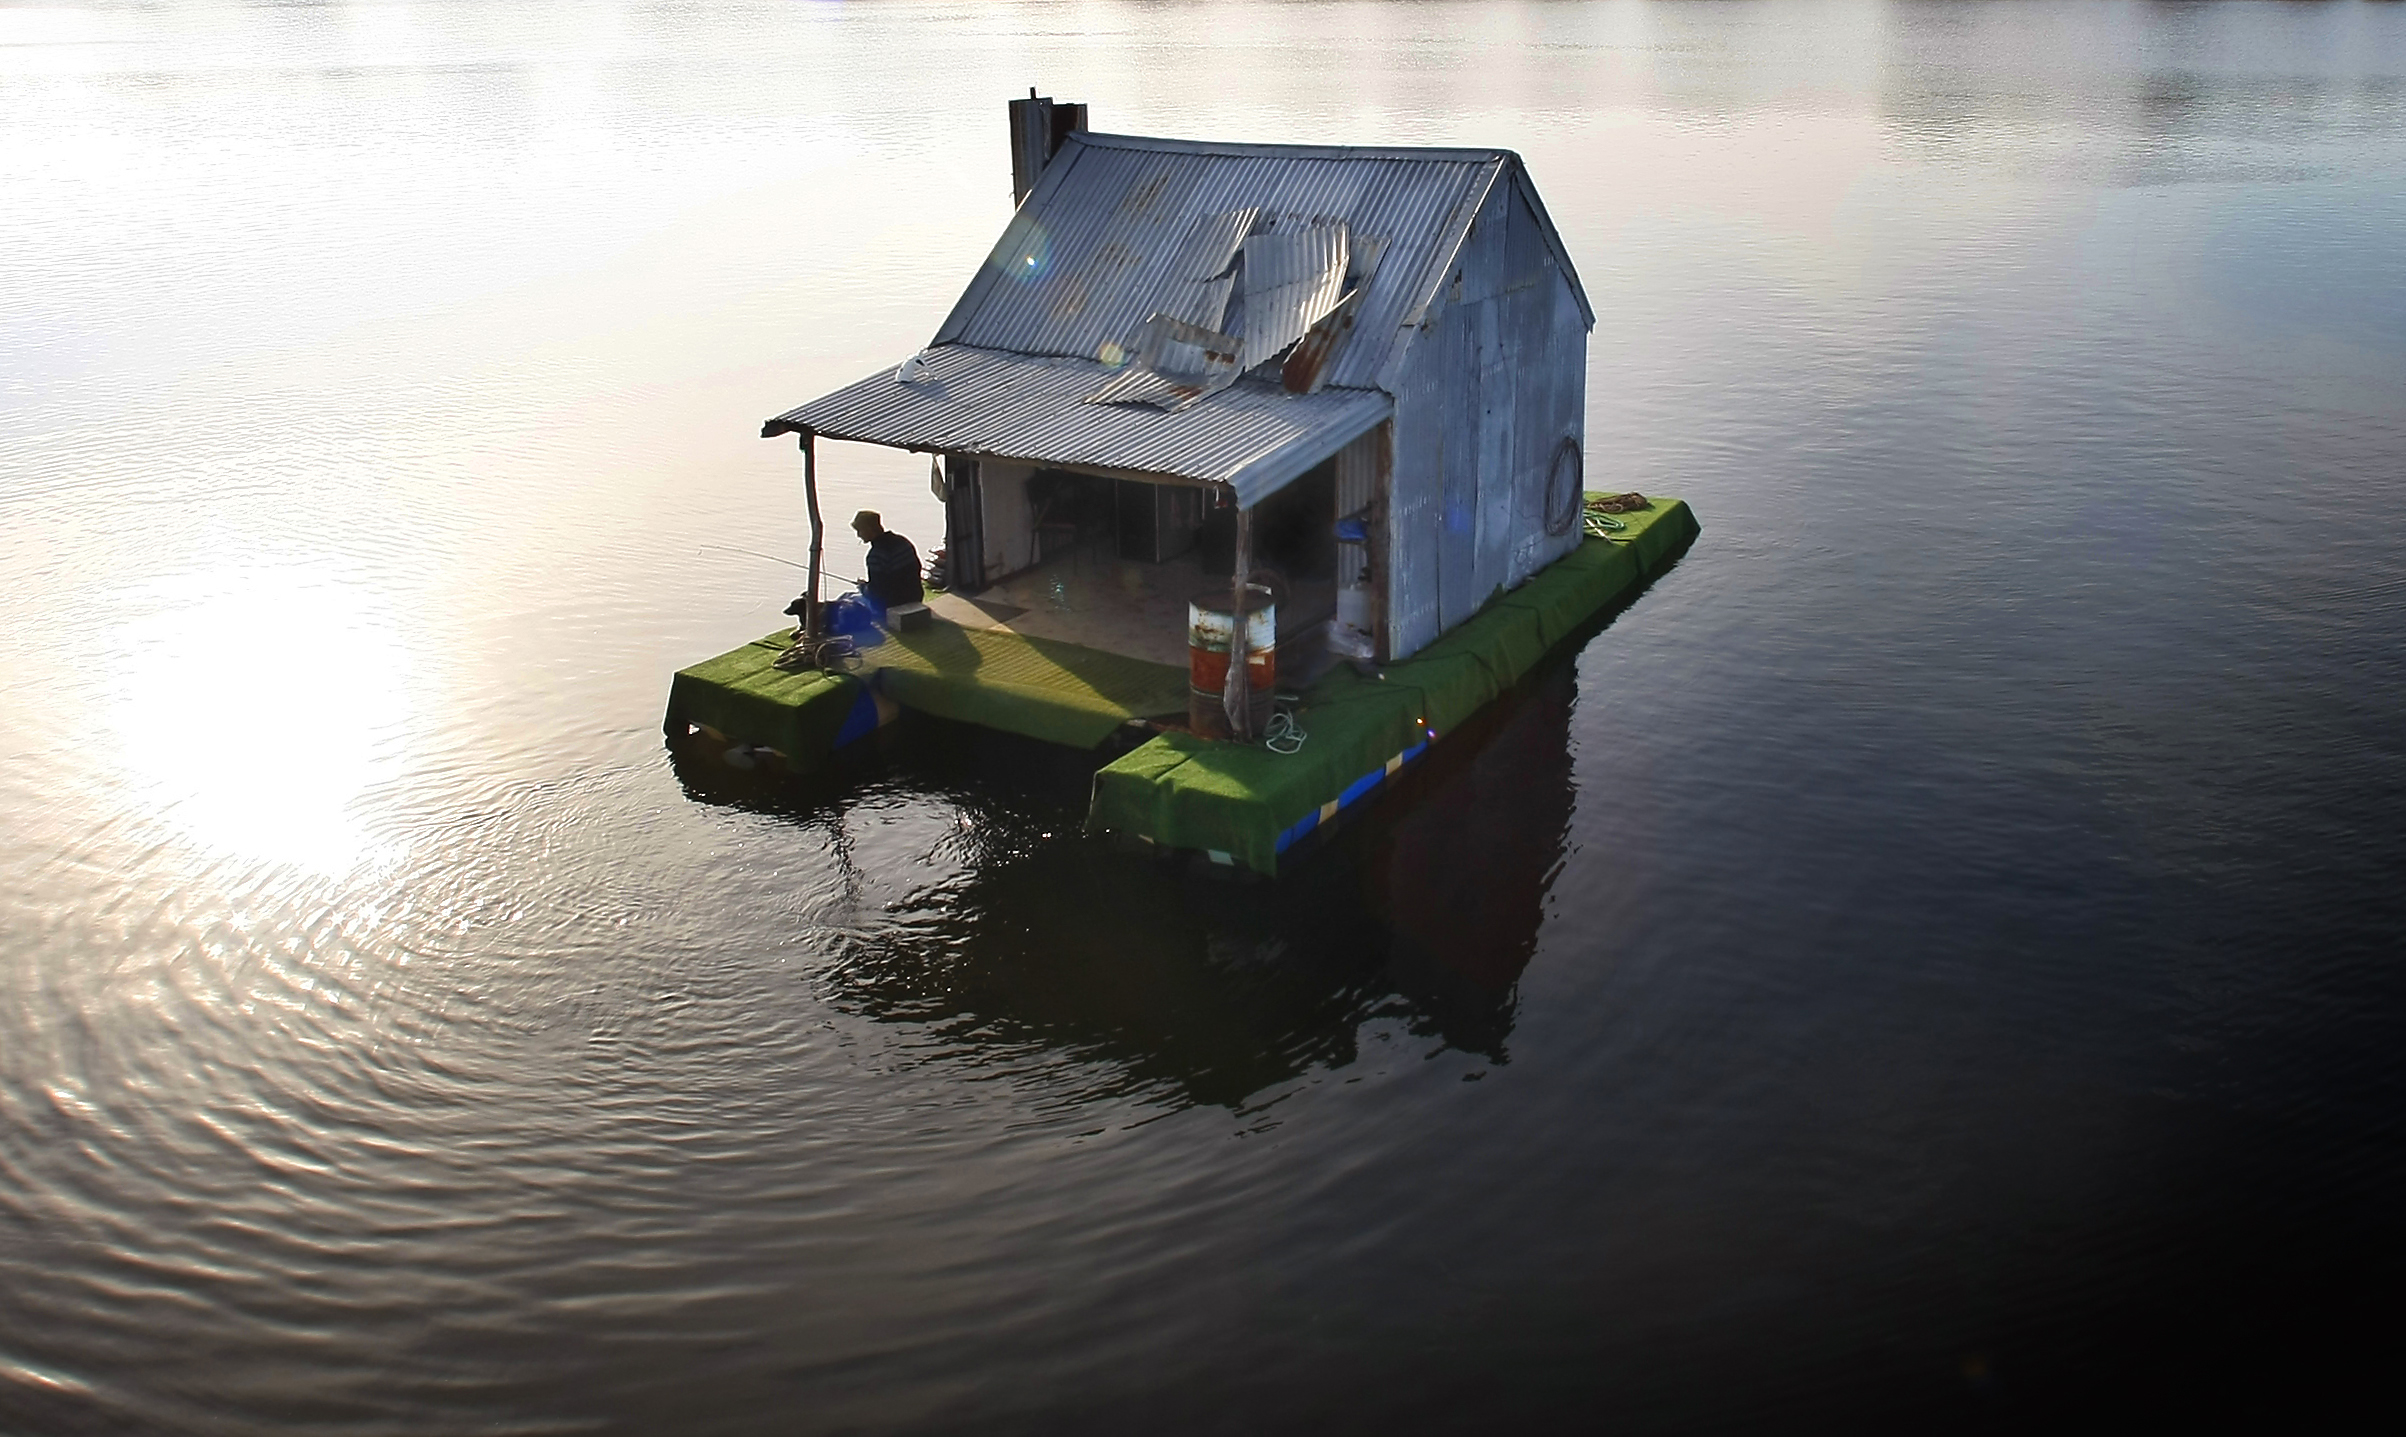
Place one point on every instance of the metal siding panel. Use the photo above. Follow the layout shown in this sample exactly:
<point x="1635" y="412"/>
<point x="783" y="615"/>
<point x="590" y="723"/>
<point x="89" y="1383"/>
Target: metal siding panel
<point x="1359" y="465"/>
<point x="1552" y="239"/>
<point x="1535" y="423"/>
<point x="1566" y="360"/>
<point x="1458" y="592"/>
<point x="1527" y="259"/>
<point x="1479" y="496"/>
<point x="1538" y="423"/>
<point x="1357" y="473"/>
<point x="1556" y="411"/>
<point x="1415" y="495"/>
<point x="1496" y="479"/>
<point x="1480" y="263"/>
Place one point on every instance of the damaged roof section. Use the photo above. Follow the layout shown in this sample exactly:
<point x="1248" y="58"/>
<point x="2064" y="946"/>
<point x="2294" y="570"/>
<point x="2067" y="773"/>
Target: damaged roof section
<point x="1291" y="279"/>
<point x="1274" y="289"/>
<point x="1170" y="364"/>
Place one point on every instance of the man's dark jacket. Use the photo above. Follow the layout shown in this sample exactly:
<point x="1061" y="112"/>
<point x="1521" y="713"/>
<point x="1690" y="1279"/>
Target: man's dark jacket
<point x="894" y="570"/>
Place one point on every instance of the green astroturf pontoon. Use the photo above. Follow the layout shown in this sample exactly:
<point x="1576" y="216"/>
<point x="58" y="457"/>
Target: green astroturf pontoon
<point x="1241" y="804"/>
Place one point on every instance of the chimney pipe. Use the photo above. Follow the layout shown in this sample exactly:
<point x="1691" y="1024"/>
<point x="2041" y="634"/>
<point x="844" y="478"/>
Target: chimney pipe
<point x="1038" y="128"/>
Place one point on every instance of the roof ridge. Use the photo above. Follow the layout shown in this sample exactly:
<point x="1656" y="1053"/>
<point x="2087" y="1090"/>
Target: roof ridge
<point x="1264" y="148"/>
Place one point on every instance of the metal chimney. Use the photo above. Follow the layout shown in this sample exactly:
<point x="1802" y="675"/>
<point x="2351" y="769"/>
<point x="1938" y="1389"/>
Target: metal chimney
<point x="1038" y="126"/>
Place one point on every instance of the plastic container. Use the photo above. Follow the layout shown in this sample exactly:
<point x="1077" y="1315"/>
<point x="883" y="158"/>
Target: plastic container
<point x="1210" y="627"/>
<point x="850" y="614"/>
<point x="1353" y="609"/>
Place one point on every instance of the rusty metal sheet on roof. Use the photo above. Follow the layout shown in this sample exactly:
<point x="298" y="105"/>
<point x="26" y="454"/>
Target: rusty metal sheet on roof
<point x="1289" y="281"/>
<point x="1118" y="226"/>
<point x="1171" y="363"/>
<point x="1251" y="435"/>
<point x="1306" y="366"/>
<point x="1285" y="283"/>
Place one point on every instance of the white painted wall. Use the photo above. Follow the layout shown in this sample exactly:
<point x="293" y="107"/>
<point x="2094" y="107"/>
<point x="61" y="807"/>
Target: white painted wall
<point x="1009" y="521"/>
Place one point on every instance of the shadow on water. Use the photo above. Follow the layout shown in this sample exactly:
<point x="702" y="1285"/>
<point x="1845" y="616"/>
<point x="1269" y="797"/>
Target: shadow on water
<point x="1158" y="980"/>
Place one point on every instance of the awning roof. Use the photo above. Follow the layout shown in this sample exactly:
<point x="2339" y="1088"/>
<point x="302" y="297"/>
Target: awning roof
<point x="1253" y="436"/>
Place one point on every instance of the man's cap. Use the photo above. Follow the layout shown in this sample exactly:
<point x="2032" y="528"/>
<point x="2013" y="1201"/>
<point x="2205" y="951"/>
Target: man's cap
<point x="868" y="516"/>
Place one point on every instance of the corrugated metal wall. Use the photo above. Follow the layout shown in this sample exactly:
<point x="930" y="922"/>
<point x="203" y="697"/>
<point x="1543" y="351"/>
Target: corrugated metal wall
<point x="1361" y="474"/>
<point x="1484" y="400"/>
<point x="1415" y="499"/>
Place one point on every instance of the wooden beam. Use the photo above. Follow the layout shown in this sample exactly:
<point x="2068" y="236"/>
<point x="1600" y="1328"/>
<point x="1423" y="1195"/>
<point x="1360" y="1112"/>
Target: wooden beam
<point x="1237" y="695"/>
<point x="818" y="533"/>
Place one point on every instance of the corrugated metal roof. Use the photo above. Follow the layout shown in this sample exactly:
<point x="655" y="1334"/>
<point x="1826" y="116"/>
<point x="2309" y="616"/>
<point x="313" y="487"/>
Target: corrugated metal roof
<point x="1120" y="228"/>
<point x="1111" y="231"/>
<point x="1252" y="436"/>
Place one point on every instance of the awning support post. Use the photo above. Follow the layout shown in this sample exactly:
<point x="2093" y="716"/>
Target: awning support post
<point x="818" y="534"/>
<point x="1237" y="696"/>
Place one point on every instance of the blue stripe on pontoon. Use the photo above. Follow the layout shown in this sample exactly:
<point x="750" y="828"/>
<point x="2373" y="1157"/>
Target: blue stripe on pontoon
<point x="862" y="720"/>
<point x="1346" y="799"/>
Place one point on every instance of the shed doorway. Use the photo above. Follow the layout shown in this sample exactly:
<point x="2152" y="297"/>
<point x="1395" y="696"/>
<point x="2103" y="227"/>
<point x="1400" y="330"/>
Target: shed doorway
<point x="1111" y="563"/>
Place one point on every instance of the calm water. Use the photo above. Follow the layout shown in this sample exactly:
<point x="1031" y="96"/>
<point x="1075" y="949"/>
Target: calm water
<point x="1932" y="959"/>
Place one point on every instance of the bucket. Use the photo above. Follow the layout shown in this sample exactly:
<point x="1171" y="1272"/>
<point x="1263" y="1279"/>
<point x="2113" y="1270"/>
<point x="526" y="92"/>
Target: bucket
<point x="1353" y="609"/>
<point x="1209" y="627"/>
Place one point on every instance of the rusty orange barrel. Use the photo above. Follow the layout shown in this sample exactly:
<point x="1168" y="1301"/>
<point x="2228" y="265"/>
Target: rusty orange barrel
<point x="1210" y="627"/>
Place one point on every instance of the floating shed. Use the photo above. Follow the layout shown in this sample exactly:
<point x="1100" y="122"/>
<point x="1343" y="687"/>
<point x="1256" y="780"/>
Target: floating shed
<point x="1355" y="376"/>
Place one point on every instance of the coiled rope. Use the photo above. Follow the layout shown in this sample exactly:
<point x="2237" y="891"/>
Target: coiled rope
<point x="1282" y="734"/>
<point x="1599" y="509"/>
<point x="834" y="655"/>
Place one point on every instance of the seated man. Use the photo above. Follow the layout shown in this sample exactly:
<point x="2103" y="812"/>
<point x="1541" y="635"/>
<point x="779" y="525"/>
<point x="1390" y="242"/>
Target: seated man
<point x="893" y="563"/>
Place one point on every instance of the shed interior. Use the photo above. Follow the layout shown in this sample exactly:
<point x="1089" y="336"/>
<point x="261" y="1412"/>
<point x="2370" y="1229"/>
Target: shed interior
<point x="1111" y="561"/>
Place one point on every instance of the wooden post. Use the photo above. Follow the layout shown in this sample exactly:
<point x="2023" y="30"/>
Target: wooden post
<point x="1237" y="696"/>
<point x="818" y="533"/>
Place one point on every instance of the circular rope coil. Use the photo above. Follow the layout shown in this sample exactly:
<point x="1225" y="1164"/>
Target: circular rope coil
<point x="1563" y="483"/>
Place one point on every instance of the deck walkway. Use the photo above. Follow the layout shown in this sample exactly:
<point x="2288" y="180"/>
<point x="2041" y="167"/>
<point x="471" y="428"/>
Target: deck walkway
<point x="1242" y="804"/>
<point x="1043" y="688"/>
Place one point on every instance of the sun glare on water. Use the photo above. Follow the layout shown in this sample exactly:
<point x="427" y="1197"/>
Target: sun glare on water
<point x="257" y="710"/>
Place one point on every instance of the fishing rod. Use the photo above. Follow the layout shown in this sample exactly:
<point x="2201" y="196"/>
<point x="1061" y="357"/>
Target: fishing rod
<point x="755" y="553"/>
<point x="772" y="558"/>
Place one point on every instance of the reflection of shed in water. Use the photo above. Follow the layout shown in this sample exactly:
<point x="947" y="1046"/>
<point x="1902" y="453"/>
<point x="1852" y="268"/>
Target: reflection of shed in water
<point x="1346" y="384"/>
<point x="1059" y="955"/>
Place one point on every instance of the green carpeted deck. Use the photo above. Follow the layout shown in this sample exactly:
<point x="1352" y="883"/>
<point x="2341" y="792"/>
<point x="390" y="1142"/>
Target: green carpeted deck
<point x="1045" y="689"/>
<point x="743" y="695"/>
<point x="1241" y="803"/>
<point x="1060" y="692"/>
<point x="1244" y="804"/>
